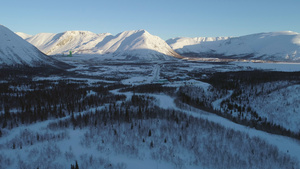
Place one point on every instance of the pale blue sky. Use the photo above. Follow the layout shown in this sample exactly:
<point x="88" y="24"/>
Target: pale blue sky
<point x="164" y="18"/>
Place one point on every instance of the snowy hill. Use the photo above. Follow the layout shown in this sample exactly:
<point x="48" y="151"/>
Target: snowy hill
<point x="131" y="44"/>
<point x="279" y="46"/>
<point x="15" y="50"/>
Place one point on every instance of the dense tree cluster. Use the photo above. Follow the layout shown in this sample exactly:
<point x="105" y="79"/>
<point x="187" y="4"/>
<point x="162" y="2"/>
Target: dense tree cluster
<point x="24" y="73"/>
<point x="232" y="80"/>
<point x="29" y="102"/>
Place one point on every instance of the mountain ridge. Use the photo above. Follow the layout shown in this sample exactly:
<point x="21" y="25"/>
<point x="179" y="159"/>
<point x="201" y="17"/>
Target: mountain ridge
<point x="275" y="46"/>
<point x="131" y="44"/>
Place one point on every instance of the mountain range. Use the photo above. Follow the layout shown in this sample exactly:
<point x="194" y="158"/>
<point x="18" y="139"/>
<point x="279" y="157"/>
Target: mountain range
<point x="140" y="44"/>
<point x="131" y="44"/>
<point x="275" y="46"/>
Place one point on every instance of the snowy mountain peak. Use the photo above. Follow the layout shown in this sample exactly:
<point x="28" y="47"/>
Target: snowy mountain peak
<point x="78" y="33"/>
<point x="104" y="34"/>
<point x="141" y="31"/>
<point x="138" y="44"/>
<point x="15" y="50"/>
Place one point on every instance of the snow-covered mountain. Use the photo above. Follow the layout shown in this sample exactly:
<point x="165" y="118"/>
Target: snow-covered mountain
<point x="279" y="46"/>
<point x="15" y="50"/>
<point x="131" y="44"/>
<point x="77" y="41"/>
<point x="180" y="43"/>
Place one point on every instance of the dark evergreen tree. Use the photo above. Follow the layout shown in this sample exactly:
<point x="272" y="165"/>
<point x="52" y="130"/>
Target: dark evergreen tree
<point x="151" y="144"/>
<point x="75" y="166"/>
<point x="4" y="124"/>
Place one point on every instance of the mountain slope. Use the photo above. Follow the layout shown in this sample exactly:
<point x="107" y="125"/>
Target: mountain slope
<point x="52" y="44"/>
<point x="278" y="46"/>
<point x="131" y="44"/>
<point x="180" y="43"/>
<point x="15" y="50"/>
<point x="23" y="35"/>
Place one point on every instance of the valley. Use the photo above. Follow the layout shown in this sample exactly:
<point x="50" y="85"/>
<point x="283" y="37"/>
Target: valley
<point x="167" y="114"/>
<point x="133" y="100"/>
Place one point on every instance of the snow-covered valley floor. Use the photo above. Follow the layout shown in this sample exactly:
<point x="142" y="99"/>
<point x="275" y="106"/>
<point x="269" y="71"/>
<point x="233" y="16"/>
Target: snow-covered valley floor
<point x="111" y="122"/>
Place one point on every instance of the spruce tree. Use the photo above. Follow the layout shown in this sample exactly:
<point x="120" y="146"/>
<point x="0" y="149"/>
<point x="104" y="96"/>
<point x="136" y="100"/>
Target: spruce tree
<point x="151" y="144"/>
<point x="76" y="165"/>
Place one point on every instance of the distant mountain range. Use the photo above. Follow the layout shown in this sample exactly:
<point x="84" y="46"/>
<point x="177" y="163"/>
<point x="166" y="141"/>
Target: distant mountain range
<point x="275" y="46"/>
<point x="140" y="44"/>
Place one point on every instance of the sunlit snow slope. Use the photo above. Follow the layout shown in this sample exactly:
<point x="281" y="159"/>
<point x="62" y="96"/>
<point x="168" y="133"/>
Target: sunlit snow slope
<point x="15" y="50"/>
<point x="279" y="46"/>
<point x="23" y="35"/>
<point x="132" y="44"/>
<point x="184" y="44"/>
